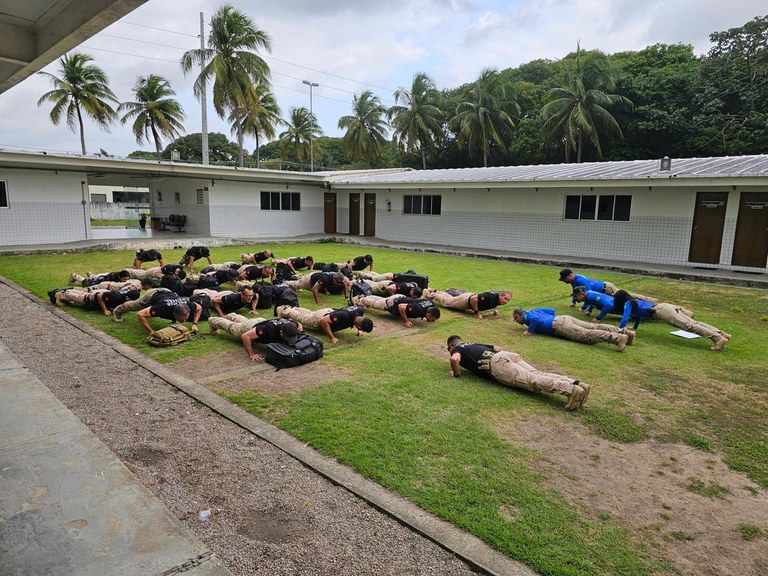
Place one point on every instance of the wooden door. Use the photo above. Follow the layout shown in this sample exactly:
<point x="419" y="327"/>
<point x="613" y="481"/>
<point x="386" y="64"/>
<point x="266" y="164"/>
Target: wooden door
<point x="370" y="215"/>
<point x="354" y="214"/>
<point x="750" y="245"/>
<point x="330" y="212"/>
<point x="708" y="224"/>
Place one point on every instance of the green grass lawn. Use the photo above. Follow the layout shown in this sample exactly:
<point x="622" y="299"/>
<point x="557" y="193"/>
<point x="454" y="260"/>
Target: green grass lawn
<point x="130" y="223"/>
<point x="397" y="417"/>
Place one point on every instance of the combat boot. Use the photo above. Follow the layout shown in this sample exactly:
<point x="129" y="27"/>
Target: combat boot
<point x="630" y="334"/>
<point x="575" y="398"/>
<point x="621" y="342"/>
<point x="720" y="342"/>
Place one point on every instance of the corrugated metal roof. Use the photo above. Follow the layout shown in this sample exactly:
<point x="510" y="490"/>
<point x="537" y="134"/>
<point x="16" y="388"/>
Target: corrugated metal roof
<point x="722" y="167"/>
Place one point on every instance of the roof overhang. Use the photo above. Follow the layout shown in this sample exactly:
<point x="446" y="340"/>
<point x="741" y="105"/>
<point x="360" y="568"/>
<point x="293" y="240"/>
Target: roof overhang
<point x="142" y="173"/>
<point x="34" y="33"/>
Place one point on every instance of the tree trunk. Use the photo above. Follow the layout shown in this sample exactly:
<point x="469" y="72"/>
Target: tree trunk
<point x="423" y="159"/>
<point x="578" y="152"/>
<point x="258" y="156"/>
<point x="240" y="144"/>
<point x="156" y="137"/>
<point x="80" y="121"/>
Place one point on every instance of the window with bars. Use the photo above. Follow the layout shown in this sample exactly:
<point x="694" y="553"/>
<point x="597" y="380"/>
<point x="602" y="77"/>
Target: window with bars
<point x="280" y="201"/>
<point x="598" y="207"/>
<point x="422" y="204"/>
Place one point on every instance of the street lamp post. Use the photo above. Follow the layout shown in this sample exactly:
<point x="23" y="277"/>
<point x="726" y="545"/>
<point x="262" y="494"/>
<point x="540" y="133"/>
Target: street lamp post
<point x="311" y="146"/>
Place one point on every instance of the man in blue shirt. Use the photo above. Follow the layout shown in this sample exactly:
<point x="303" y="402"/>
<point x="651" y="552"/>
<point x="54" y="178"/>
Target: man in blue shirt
<point x="630" y="307"/>
<point x="575" y="280"/>
<point x="544" y="321"/>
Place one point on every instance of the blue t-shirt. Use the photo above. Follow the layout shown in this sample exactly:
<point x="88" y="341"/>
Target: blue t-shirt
<point x="539" y="320"/>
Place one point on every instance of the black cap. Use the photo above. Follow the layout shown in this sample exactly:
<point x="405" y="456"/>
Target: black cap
<point x="564" y="273"/>
<point x="289" y="332"/>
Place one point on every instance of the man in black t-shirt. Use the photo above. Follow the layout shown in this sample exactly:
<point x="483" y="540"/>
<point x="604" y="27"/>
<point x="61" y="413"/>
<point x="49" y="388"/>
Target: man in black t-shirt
<point x="509" y="369"/>
<point x="93" y="299"/>
<point x="360" y="263"/>
<point x="400" y="306"/>
<point x="147" y="256"/>
<point x="267" y="332"/>
<point x="170" y="306"/>
<point x="193" y="254"/>
<point x="469" y="301"/>
<point x="253" y="273"/>
<point x="329" y="320"/>
<point x="226" y="302"/>
<point x="256" y="258"/>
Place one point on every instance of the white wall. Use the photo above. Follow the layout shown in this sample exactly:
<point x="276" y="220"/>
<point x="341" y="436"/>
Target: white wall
<point x="45" y="207"/>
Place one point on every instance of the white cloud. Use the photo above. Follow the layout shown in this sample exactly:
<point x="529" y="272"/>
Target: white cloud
<point x="348" y="46"/>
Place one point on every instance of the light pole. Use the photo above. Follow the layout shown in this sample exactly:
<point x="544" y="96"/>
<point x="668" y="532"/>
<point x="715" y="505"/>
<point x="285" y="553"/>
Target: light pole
<point x="311" y="146"/>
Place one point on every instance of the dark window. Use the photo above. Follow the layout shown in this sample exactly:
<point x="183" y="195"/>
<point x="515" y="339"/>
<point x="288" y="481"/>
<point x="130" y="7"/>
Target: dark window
<point x="623" y="205"/>
<point x="607" y="207"/>
<point x="4" y="195"/>
<point x="280" y="201"/>
<point x="422" y="204"/>
<point x="572" y="204"/>
<point x="588" y="204"/>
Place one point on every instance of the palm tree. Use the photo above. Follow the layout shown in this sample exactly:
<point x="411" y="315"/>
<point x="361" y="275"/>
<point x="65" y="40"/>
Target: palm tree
<point x="366" y="128"/>
<point x="259" y="118"/>
<point x="82" y="88"/>
<point x="580" y="108"/>
<point x="230" y="59"/>
<point x="302" y="129"/>
<point x="486" y="117"/>
<point x="154" y="112"/>
<point x="419" y="120"/>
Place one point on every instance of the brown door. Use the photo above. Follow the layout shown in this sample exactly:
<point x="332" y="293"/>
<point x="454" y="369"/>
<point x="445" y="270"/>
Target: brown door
<point x="708" y="223"/>
<point x="330" y="213"/>
<point x="750" y="246"/>
<point x="370" y="215"/>
<point x="354" y="214"/>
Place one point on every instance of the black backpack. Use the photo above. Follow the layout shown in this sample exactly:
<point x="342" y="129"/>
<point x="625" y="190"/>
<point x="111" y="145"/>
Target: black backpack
<point x="172" y="282"/>
<point x="283" y="272"/>
<point x="306" y="349"/>
<point x="266" y="294"/>
<point x="204" y="301"/>
<point x="285" y="296"/>
<point x="208" y="282"/>
<point x="361" y="288"/>
<point x="411" y="276"/>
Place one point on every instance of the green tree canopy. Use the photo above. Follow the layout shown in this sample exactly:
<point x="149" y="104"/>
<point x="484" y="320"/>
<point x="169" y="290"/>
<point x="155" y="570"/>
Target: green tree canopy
<point x="190" y="147"/>
<point x="417" y="118"/>
<point x="301" y="133"/>
<point x="81" y="88"/>
<point x="366" y="128"/>
<point x="155" y="114"/>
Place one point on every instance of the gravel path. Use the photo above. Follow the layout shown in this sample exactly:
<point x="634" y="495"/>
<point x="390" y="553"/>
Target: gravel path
<point x="270" y="514"/>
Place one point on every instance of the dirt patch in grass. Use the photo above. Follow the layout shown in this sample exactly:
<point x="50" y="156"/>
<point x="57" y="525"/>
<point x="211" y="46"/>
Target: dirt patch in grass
<point x="686" y="502"/>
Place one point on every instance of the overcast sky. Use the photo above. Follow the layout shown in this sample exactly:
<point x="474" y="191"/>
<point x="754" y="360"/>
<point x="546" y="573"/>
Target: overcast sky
<point x="348" y="46"/>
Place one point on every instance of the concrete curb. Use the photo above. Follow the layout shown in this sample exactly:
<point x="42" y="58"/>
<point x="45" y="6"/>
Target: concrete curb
<point x="469" y="548"/>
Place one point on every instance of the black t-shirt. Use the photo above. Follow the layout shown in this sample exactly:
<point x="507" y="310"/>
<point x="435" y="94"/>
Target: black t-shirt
<point x="198" y="252"/>
<point x="298" y="263"/>
<point x="231" y="302"/>
<point x="148" y="255"/>
<point x="172" y="269"/>
<point x="471" y="353"/>
<point x="324" y="279"/>
<point x="360" y="263"/>
<point x="261" y="256"/>
<point x="416" y="307"/>
<point x="345" y="317"/>
<point x="116" y="297"/>
<point x="164" y="307"/>
<point x="254" y="272"/>
<point x="487" y="300"/>
<point x="269" y="330"/>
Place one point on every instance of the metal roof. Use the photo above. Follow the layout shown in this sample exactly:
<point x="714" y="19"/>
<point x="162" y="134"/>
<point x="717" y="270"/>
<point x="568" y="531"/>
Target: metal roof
<point x="721" y="167"/>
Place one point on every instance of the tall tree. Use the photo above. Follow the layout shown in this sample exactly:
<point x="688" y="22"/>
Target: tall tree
<point x="301" y="129"/>
<point x="366" y="128"/>
<point x="190" y="148"/>
<point x="154" y="112"/>
<point x="82" y="88"/>
<point x="259" y="119"/>
<point x="230" y="60"/>
<point x="579" y="109"/>
<point x="417" y="118"/>
<point x="485" y="117"/>
<point x="733" y="100"/>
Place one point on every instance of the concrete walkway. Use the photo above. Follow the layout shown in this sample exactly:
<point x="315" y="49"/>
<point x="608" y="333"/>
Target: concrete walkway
<point x="69" y="506"/>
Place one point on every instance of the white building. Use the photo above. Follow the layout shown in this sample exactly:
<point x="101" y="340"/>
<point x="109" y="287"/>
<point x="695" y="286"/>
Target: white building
<point x="710" y="212"/>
